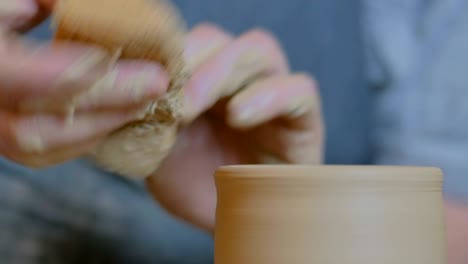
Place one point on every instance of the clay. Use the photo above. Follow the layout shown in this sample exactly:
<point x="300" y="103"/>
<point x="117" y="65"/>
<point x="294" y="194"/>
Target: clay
<point x="279" y="214"/>
<point x="138" y="29"/>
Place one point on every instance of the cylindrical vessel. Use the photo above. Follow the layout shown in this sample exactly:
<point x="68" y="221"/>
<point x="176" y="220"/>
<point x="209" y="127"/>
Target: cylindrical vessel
<point x="276" y="214"/>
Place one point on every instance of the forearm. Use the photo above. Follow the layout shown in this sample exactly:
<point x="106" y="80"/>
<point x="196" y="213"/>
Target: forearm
<point x="457" y="230"/>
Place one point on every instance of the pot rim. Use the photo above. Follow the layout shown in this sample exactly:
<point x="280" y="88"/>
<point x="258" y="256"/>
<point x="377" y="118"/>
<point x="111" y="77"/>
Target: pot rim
<point x="349" y="172"/>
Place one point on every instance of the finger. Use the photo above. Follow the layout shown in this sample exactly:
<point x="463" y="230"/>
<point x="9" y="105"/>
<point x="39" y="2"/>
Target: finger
<point x="20" y="15"/>
<point x="293" y="98"/>
<point x="253" y="54"/>
<point x="74" y="75"/>
<point x="40" y="133"/>
<point x="276" y="143"/>
<point x="129" y="84"/>
<point x="36" y="74"/>
<point x="54" y="156"/>
<point x="203" y="42"/>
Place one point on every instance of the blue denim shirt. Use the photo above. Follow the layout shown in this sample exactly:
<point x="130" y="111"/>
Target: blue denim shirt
<point x="417" y="57"/>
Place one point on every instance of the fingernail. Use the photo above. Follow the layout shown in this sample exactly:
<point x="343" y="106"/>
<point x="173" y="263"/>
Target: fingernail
<point x="142" y="81"/>
<point x="298" y="107"/>
<point x="245" y="115"/>
<point x="252" y="108"/>
<point x="29" y="137"/>
<point x="31" y="143"/>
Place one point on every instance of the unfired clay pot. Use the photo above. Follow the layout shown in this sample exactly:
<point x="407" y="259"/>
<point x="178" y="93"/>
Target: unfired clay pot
<point x="274" y="214"/>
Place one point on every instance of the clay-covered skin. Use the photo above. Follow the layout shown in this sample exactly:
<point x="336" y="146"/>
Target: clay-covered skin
<point x="329" y="214"/>
<point x="138" y="29"/>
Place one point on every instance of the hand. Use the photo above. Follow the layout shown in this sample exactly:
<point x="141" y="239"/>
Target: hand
<point x="456" y="220"/>
<point x="243" y="106"/>
<point x="40" y="83"/>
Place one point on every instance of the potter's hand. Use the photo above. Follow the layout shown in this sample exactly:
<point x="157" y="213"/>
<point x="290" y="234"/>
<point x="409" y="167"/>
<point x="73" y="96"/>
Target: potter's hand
<point x="39" y="82"/>
<point x="243" y="106"/>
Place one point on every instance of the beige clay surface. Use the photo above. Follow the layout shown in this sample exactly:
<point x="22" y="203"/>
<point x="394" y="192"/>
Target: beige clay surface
<point x="329" y="215"/>
<point x="137" y="29"/>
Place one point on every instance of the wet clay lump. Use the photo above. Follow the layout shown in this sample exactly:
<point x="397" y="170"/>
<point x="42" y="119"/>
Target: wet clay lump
<point x="137" y="29"/>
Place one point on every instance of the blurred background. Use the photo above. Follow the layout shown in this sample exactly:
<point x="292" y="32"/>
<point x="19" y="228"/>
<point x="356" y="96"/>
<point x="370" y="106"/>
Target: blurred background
<point x="87" y="215"/>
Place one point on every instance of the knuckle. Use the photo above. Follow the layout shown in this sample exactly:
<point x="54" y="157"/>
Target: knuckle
<point x="265" y="42"/>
